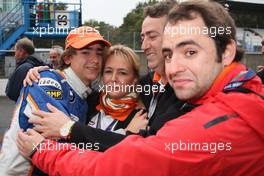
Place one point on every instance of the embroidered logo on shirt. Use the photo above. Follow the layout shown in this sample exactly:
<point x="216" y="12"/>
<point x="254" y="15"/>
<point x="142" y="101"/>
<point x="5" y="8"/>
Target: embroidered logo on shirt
<point x="56" y="94"/>
<point x="49" y="82"/>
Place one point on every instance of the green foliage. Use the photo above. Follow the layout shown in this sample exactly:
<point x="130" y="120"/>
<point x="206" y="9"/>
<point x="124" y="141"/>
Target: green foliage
<point x="129" y="32"/>
<point x="105" y="29"/>
<point x="253" y="20"/>
<point x="60" y="6"/>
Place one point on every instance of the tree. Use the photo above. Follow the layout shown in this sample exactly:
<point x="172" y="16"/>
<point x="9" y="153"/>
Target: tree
<point x="129" y="32"/>
<point x="105" y="29"/>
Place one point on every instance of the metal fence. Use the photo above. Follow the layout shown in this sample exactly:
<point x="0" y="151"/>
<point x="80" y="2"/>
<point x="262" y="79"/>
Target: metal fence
<point x="8" y="62"/>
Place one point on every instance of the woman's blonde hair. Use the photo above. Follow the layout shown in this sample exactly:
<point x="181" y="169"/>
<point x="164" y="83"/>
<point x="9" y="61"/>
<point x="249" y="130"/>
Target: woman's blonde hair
<point x="127" y="53"/>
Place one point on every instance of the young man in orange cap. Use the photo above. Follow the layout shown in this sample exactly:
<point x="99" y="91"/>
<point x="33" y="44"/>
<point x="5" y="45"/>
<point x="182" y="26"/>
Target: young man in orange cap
<point x="66" y="89"/>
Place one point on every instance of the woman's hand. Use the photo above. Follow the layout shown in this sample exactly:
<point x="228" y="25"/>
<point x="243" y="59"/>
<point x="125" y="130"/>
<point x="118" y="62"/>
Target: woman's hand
<point x="49" y="123"/>
<point x="33" y="75"/>
<point x="28" y="141"/>
<point x="138" y="122"/>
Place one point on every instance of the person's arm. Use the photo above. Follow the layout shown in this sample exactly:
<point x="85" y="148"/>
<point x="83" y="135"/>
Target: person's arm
<point x="134" y="156"/>
<point x="15" y="82"/>
<point x="82" y="134"/>
<point x="33" y="75"/>
<point x="154" y="155"/>
<point x="49" y="125"/>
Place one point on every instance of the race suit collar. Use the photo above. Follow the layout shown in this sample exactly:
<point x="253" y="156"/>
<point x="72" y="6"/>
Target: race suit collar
<point x="77" y="85"/>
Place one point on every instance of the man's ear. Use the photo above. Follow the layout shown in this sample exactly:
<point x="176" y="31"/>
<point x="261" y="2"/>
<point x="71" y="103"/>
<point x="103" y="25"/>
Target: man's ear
<point x="23" y="52"/>
<point x="67" y="60"/>
<point x="229" y="54"/>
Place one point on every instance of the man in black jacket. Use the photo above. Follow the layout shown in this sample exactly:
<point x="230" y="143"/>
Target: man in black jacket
<point x="161" y="105"/>
<point x="24" y="50"/>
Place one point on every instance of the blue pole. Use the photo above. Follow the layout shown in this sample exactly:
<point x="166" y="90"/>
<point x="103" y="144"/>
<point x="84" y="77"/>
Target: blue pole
<point x="80" y="18"/>
<point x="25" y="4"/>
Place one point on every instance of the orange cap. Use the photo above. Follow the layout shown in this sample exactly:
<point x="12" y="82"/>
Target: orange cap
<point x="82" y="36"/>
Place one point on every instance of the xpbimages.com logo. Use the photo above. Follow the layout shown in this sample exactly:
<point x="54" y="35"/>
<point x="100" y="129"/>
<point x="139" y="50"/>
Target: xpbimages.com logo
<point x="80" y="147"/>
<point x="212" y="147"/>
<point x="40" y="31"/>
<point x="212" y="31"/>
<point x="145" y="89"/>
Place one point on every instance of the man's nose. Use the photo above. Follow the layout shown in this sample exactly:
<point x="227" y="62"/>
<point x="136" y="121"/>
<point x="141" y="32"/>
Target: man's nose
<point x="94" y="57"/>
<point x="145" y="44"/>
<point x="114" y="77"/>
<point x="175" y="66"/>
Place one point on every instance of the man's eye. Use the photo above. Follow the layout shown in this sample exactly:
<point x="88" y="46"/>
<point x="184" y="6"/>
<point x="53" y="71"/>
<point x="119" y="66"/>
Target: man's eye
<point x="85" y="52"/>
<point x="190" y="53"/>
<point x="100" y="53"/>
<point x="167" y="56"/>
<point x="153" y="36"/>
<point x="107" y="71"/>
<point x="123" y="73"/>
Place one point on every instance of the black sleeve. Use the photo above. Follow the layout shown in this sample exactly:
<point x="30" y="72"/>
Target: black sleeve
<point x="261" y="75"/>
<point x="81" y="133"/>
<point x="92" y="100"/>
<point x="146" y="82"/>
<point x="15" y="82"/>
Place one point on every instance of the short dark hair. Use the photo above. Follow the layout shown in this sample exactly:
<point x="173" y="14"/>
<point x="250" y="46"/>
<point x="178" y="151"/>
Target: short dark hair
<point x="213" y="15"/>
<point x="159" y="9"/>
<point x="26" y="44"/>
